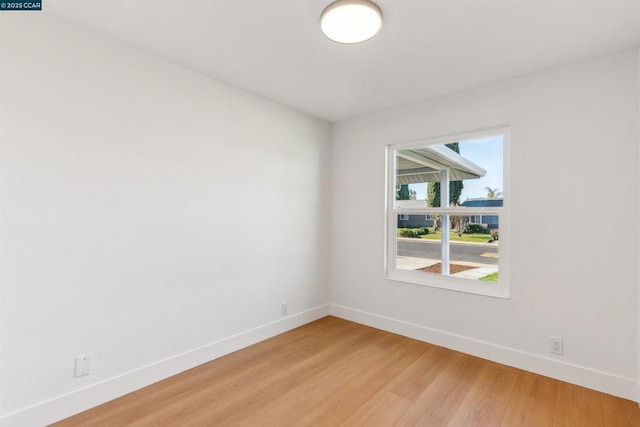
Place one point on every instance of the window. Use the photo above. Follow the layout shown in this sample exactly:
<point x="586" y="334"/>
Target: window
<point x="447" y="222"/>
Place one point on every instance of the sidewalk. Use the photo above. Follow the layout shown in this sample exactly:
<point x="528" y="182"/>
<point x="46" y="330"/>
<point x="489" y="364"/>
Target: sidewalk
<point x="495" y="244"/>
<point x="413" y="263"/>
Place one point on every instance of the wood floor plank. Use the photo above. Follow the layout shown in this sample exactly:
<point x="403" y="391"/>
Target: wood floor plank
<point x="569" y="406"/>
<point x="487" y="401"/>
<point x="532" y="402"/>
<point x="619" y="412"/>
<point x="258" y="388"/>
<point x="369" y="381"/>
<point x="382" y="410"/>
<point x="442" y="398"/>
<point x="412" y="382"/>
<point x="593" y="413"/>
<point x="310" y="400"/>
<point x="334" y="372"/>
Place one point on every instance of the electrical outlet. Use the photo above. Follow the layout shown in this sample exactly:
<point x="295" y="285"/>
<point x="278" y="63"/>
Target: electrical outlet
<point x="82" y="366"/>
<point x="556" y="345"/>
<point x="284" y="309"/>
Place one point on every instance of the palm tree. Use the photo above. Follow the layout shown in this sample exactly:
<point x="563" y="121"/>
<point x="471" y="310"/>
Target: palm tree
<point x="493" y="193"/>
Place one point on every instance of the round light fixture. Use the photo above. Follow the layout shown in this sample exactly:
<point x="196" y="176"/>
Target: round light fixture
<point x="351" y="21"/>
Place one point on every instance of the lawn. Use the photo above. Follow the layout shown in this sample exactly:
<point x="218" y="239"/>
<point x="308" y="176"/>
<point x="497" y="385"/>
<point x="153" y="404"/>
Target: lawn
<point x="454" y="237"/>
<point x="493" y="277"/>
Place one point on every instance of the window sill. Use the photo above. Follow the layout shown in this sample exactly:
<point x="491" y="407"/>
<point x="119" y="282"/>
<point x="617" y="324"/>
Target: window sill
<point x="449" y="283"/>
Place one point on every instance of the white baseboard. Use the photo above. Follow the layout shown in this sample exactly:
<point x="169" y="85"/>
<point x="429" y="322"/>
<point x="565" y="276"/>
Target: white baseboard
<point x="64" y="406"/>
<point x="626" y="388"/>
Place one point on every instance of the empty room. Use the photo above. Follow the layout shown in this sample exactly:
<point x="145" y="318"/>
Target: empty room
<point x="320" y="213"/>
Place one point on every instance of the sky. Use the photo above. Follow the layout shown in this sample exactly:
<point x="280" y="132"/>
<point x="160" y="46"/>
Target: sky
<point x="485" y="152"/>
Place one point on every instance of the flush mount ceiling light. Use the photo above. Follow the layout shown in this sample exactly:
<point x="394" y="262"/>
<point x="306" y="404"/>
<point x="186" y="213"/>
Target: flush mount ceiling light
<point x="351" y="21"/>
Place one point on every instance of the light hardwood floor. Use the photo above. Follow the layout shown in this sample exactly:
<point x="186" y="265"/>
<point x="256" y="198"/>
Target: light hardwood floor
<point x="337" y="373"/>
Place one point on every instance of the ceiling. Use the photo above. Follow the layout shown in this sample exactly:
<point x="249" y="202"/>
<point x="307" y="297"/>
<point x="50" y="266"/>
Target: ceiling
<point x="426" y="49"/>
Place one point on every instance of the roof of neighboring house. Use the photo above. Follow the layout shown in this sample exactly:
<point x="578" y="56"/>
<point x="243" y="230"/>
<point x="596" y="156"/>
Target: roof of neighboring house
<point x="483" y="202"/>
<point x="423" y="164"/>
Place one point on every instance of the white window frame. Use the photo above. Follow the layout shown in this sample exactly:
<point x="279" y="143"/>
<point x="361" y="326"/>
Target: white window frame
<point x="479" y="287"/>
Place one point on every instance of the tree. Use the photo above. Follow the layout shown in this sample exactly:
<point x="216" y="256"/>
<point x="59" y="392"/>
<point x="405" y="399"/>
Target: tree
<point x="493" y="193"/>
<point x="455" y="190"/>
<point x="403" y="193"/>
<point x="455" y="187"/>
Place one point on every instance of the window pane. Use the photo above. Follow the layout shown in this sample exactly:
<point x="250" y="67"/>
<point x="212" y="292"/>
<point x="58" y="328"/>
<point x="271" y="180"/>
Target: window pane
<point x="417" y="246"/>
<point x="486" y="191"/>
<point x="474" y="168"/>
<point x="474" y="253"/>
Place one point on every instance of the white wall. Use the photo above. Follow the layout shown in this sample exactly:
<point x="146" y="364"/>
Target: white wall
<point x="574" y="254"/>
<point x="147" y="213"/>
<point x="638" y="296"/>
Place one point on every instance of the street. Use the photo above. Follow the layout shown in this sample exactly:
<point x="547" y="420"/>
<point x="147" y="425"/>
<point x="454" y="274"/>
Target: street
<point x="421" y="248"/>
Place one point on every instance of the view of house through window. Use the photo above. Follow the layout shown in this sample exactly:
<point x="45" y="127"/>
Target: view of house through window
<point x="446" y="208"/>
